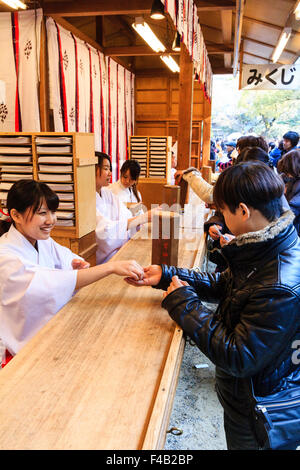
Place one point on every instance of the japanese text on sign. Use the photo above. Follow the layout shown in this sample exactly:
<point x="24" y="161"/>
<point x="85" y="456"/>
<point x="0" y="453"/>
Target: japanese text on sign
<point x="271" y="77"/>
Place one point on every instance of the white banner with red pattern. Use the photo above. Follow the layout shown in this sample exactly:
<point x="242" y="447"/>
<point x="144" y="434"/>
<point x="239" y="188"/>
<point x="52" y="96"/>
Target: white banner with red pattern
<point x="90" y="93"/>
<point x="185" y="18"/>
<point x="20" y="34"/>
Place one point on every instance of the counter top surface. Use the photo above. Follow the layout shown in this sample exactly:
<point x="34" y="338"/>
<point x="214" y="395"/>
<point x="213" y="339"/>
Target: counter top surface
<point x="90" y="377"/>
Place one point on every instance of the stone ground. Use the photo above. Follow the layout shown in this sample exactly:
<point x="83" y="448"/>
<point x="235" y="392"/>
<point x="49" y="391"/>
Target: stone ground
<point x="196" y="409"/>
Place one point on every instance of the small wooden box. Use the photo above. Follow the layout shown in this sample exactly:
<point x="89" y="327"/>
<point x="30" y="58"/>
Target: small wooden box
<point x="165" y="238"/>
<point x="171" y="194"/>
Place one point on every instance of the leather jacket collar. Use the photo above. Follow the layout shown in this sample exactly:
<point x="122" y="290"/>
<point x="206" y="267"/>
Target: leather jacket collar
<point x="253" y="247"/>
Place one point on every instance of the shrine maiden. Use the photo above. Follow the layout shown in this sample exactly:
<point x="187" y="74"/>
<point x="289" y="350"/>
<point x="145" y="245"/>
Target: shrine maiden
<point x="114" y="222"/>
<point x="37" y="275"/>
<point x="125" y="188"/>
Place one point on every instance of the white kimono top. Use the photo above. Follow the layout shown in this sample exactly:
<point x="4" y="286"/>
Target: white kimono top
<point x="34" y="286"/>
<point x="124" y="194"/>
<point x="111" y="225"/>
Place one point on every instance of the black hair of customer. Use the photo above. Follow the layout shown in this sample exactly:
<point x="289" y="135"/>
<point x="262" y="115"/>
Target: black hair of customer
<point x="252" y="183"/>
<point x="254" y="154"/>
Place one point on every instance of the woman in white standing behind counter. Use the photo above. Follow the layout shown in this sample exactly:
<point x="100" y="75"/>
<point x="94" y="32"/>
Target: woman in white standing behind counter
<point x="37" y="275"/>
<point x="125" y="188"/>
<point x="115" y="224"/>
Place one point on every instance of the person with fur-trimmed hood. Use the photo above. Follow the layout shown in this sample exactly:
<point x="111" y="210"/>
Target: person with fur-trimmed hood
<point x="250" y="337"/>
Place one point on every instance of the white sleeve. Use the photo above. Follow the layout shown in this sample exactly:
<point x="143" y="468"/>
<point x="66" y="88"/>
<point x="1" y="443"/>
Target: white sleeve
<point x="110" y="235"/>
<point x="63" y="256"/>
<point x="29" y="297"/>
<point x="203" y="189"/>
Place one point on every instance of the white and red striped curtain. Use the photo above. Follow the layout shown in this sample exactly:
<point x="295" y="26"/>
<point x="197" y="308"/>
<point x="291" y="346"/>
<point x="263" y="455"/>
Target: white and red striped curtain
<point x="185" y="18"/>
<point x="20" y="34"/>
<point x="90" y="93"/>
<point x="120" y="113"/>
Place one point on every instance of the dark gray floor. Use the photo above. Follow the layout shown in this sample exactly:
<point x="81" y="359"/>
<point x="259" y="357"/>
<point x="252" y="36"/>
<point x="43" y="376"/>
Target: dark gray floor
<point x="196" y="409"/>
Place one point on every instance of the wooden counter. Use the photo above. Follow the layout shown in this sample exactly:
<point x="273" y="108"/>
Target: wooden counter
<point x="102" y="373"/>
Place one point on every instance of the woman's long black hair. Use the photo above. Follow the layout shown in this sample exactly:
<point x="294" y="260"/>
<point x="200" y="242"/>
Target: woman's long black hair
<point x="134" y="169"/>
<point x="28" y="193"/>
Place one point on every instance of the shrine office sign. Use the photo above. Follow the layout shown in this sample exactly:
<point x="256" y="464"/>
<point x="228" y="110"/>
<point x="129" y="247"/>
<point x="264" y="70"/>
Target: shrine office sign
<point x="271" y="77"/>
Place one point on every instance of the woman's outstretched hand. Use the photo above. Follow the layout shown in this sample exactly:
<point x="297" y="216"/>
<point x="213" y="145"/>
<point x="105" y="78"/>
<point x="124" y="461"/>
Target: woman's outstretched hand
<point x="152" y="276"/>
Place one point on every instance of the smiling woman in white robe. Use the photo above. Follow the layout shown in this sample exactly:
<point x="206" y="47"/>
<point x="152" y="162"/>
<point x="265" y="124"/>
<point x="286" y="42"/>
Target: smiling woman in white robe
<point x="37" y="275"/>
<point x="115" y="223"/>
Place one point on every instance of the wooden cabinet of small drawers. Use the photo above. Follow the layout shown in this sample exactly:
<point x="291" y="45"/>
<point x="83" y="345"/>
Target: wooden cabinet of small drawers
<point x="66" y="162"/>
<point x="154" y="156"/>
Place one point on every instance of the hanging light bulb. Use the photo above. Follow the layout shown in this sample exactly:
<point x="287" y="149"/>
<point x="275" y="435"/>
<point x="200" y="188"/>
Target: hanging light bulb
<point x="157" y="10"/>
<point x="15" y="4"/>
<point x="144" y="30"/>
<point x="297" y="11"/>
<point x="176" y="42"/>
<point x="170" y="62"/>
<point x="283" y="39"/>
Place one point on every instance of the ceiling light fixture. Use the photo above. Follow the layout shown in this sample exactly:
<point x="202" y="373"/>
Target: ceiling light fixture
<point x="176" y="43"/>
<point x="170" y="62"/>
<point x="157" y="10"/>
<point x="144" y="30"/>
<point x="297" y="11"/>
<point x="15" y="4"/>
<point x="282" y="41"/>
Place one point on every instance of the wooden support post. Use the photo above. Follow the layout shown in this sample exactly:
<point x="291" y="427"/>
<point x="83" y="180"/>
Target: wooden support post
<point x="206" y="132"/>
<point x="241" y="63"/>
<point x="185" y="113"/>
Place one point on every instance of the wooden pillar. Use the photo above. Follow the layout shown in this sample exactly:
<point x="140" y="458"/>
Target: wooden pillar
<point x="206" y="131"/>
<point x="241" y="63"/>
<point x="185" y="111"/>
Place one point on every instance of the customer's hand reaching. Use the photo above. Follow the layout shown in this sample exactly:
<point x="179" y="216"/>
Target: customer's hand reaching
<point x="152" y="276"/>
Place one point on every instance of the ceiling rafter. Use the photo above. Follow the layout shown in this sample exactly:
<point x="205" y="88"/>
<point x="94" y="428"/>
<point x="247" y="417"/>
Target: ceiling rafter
<point x="215" y="5"/>
<point x="246" y="38"/>
<point x="98" y="7"/>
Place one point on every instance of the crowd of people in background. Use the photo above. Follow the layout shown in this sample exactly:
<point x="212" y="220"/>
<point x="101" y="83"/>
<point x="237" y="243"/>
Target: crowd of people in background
<point x="283" y="155"/>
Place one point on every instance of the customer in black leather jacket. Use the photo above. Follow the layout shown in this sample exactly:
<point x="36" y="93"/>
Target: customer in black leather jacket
<point x="253" y="332"/>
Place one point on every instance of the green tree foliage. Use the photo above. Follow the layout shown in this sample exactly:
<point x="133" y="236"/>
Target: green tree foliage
<point x="273" y="112"/>
<point x="261" y="112"/>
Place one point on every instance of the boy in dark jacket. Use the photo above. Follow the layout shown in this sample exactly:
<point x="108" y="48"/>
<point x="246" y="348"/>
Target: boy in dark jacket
<point x="252" y="335"/>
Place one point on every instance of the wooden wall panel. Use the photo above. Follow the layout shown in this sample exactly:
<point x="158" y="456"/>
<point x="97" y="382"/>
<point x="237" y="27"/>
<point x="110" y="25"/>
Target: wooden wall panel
<point x="157" y="105"/>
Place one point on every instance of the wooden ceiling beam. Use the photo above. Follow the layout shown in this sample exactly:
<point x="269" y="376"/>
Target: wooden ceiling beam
<point x="246" y="38"/>
<point x="269" y="25"/>
<point x="226" y="22"/>
<point x="260" y="57"/>
<point x="266" y="44"/>
<point x="215" y="5"/>
<point x="123" y="51"/>
<point x="97" y="7"/>
<point x="222" y="70"/>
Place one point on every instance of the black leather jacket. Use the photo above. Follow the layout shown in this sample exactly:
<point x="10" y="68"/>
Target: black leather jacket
<point x="252" y="333"/>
